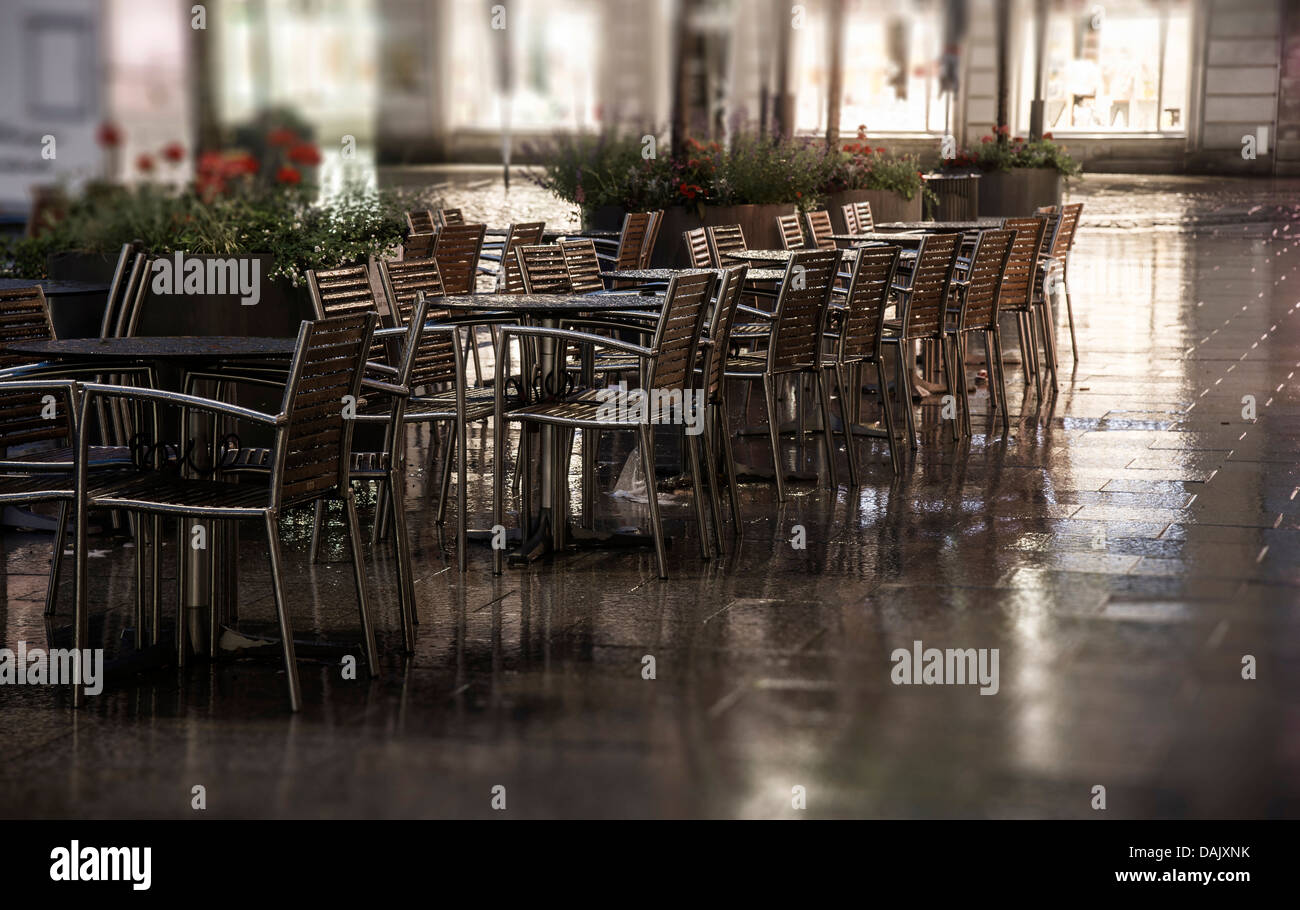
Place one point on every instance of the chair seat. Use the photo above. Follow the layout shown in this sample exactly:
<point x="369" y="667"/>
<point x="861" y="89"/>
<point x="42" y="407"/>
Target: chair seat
<point x="746" y="365"/>
<point x="479" y="403"/>
<point x="582" y="409"/>
<point x="31" y="489"/>
<point x="168" y="494"/>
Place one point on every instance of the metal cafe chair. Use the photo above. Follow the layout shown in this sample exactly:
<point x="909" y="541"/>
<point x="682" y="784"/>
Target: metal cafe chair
<point x="1018" y="291"/>
<point x="715" y="346"/>
<point x="977" y="291"/>
<point x="923" y="301"/>
<point x="791" y="234"/>
<point x="862" y="215"/>
<point x="850" y="214"/>
<point x="25" y="419"/>
<point x="506" y="268"/>
<point x="668" y="367"/>
<point x="420" y="232"/>
<point x="447" y="217"/>
<point x="820" y="229"/>
<point x="457" y="249"/>
<point x="312" y="457"/>
<point x="637" y="228"/>
<point x="698" y="253"/>
<point x="794" y="348"/>
<point x="860" y="343"/>
<point x="1058" y="260"/>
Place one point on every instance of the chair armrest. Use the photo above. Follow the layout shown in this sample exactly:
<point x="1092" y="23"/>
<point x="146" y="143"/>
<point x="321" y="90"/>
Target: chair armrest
<point x="741" y="308"/>
<point x="577" y="338"/>
<point x="132" y="393"/>
<point x="387" y="387"/>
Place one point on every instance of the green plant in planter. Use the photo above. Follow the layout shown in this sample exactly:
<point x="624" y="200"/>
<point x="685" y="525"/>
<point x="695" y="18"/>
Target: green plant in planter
<point x="858" y="166"/>
<point x="1002" y="153"/>
<point x="284" y="222"/>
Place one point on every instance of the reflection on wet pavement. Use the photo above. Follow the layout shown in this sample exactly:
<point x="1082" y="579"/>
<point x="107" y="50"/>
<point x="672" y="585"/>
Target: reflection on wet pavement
<point x="1129" y="543"/>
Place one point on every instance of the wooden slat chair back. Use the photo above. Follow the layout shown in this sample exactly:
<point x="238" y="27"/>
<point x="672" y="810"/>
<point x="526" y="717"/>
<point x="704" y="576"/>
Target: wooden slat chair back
<point x="697" y="249"/>
<point x="437" y="359"/>
<point x="801" y="311"/>
<point x="313" y="449"/>
<point x="24" y="316"/>
<point x="525" y="233"/>
<point x="791" y="235"/>
<point x="457" y="249"/>
<point x="820" y="229"/>
<point x="725" y="238"/>
<point x="582" y="264"/>
<point x="420" y="221"/>
<point x="544" y="269"/>
<point x="850" y="213"/>
<point x="345" y="291"/>
<point x="1018" y="280"/>
<point x="729" y="293"/>
<point x="866" y="301"/>
<point x="931" y="280"/>
<point x="677" y="337"/>
<point x="987" y="269"/>
<point x="631" y="241"/>
<point x="421" y="230"/>
<point x="862" y="214"/>
<point x="404" y="281"/>
<point x="651" y="238"/>
<point x="450" y="216"/>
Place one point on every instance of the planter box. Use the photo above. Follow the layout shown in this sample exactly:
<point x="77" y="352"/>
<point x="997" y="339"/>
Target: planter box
<point x="958" y="196"/>
<point x="277" y="313"/>
<point x="757" y="221"/>
<point x="79" y="316"/>
<point x="886" y="206"/>
<point x="1018" y="192"/>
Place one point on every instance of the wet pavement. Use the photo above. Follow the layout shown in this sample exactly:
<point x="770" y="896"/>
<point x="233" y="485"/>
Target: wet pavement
<point x="1127" y="548"/>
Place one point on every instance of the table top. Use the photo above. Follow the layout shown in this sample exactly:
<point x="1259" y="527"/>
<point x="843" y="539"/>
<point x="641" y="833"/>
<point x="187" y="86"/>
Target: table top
<point x="159" y="347"/>
<point x="552" y="303"/>
<point x="666" y="274"/>
<point x="781" y="255"/>
<point x="552" y="236"/>
<point x="54" y="288"/>
<point x="976" y="225"/>
<point x="878" y="235"/>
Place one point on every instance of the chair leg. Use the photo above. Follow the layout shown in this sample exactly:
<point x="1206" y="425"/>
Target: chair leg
<point x="281" y="610"/>
<point x="646" y="438"/>
<point x="56" y="560"/>
<point x="691" y="444"/>
<point x="774" y="433"/>
<point x="1069" y="311"/>
<point x="729" y="457"/>
<point x="950" y="377"/>
<point x="81" y="618"/>
<point x="155" y="578"/>
<point x="402" y="543"/>
<point x="462" y="495"/>
<point x="317" y="529"/>
<point x="359" y="571"/>
<point x="182" y="633"/>
<point x="959" y="372"/>
<point x="590" y="438"/>
<point x="711" y="475"/>
<point x="445" y="489"/>
<point x="846" y="418"/>
<point x="828" y="435"/>
<point x="905" y="392"/>
<point x="895" y="457"/>
<point x="135" y="522"/>
<point x="381" y="513"/>
<point x="498" y="488"/>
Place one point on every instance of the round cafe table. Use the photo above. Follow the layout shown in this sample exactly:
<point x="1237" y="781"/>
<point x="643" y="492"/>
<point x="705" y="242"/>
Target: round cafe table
<point x="551" y="530"/>
<point x="779" y="256"/>
<point x="667" y="274"/>
<point x="188" y="353"/>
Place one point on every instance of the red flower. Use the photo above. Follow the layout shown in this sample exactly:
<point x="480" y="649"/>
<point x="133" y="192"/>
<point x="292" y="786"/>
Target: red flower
<point x="880" y="151"/>
<point x="1003" y="130"/>
<point x="288" y="175"/>
<point x="237" y="165"/>
<point x="862" y="131"/>
<point x="986" y="138"/>
<point x="1047" y="135"/>
<point x="174" y="152"/>
<point x="798" y="194"/>
<point x="144" y="163"/>
<point x="208" y="185"/>
<point x="304" y="153"/>
<point x="282" y="136"/>
<point x="1019" y="139"/>
<point x="108" y="135"/>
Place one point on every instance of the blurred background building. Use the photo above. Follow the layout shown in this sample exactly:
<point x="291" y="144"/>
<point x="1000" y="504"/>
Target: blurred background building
<point x="1162" y="86"/>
